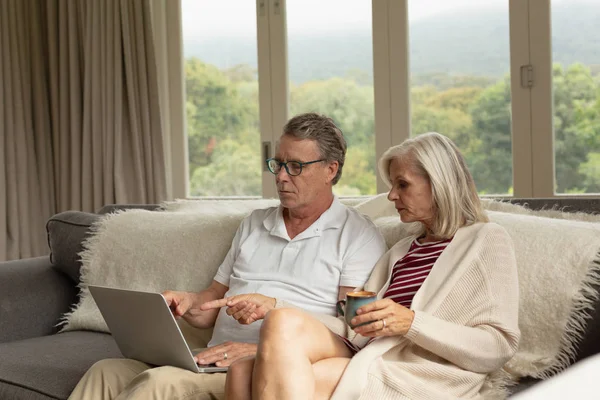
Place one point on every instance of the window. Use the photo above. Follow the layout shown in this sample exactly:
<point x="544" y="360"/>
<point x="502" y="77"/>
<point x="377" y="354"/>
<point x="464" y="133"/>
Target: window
<point x="520" y="96"/>
<point x="220" y="50"/>
<point x="330" y="58"/>
<point x="460" y="82"/>
<point x="576" y="95"/>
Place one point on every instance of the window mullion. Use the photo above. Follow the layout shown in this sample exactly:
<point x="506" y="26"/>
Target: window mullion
<point x="390" y="76"/>
<point x="542" y="133"/>
<point x="266" y="83"/>
<point x="522" y="149"/>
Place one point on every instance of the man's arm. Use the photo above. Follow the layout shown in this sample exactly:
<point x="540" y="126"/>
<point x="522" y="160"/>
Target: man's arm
<point x="248" y="308"/>
<point x="363" y="254"/>
<point x="187" y="304"/>
<point x="343" y="291"/>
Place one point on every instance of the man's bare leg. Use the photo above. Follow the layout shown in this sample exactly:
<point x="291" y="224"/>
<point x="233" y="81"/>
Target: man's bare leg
<point x="291" y="341"/>
<point x="327" y="376"/>
<point x="238" y="385"/>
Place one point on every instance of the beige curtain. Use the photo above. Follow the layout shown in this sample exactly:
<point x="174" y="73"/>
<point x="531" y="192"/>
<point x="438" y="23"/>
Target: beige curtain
<point x="80" y="118"/>
<point x="27" y="195"/>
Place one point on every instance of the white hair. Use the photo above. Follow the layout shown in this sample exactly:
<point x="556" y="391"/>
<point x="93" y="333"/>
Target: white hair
<point x="435" y="157"/>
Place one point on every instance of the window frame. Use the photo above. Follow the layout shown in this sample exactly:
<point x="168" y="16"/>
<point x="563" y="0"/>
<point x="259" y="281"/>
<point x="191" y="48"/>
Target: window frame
<point x="532" y="107"/>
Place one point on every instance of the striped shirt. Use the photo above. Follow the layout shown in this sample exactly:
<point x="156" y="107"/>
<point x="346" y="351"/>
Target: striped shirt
<point x="410" y="271"/>
<point x="408" y="275"/>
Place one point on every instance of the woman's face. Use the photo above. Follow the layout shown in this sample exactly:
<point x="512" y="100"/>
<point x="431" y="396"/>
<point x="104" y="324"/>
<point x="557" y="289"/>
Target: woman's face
<point x="411" y="193"/>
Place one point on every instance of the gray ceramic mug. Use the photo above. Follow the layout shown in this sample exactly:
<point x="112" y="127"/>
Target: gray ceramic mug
<point x="354" y="300"/>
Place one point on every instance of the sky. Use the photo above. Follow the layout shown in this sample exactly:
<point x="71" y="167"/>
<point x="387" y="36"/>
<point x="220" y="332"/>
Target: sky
<point x="202" y="18"/>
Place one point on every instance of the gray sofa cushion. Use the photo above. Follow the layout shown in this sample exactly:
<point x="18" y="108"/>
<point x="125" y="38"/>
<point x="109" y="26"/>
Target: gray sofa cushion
<point x="33" y="296"/>
<point x="49" y="367"/>
<point x="111" y="208"/>
<point x="66" y="232"/>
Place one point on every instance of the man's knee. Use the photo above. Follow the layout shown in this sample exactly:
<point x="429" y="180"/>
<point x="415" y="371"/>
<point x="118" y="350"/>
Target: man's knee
<point x="162" y="376"/>
<point x="282" y="324"/>
<point x="167" y="378"/>
<point x="107" y="378"/>
<point x="111" y="366"/>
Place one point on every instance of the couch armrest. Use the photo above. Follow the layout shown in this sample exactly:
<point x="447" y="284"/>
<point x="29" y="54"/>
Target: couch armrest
<point x="33" y="296"/>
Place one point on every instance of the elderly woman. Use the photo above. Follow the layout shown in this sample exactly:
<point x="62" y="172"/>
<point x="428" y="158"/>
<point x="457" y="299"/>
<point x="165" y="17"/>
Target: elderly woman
<point x="447" y="310"/>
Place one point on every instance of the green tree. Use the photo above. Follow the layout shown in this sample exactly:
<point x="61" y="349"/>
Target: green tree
<point x="351" y="106"/>
<point x="358" y="175"/>
<point x="241" y="73"/>
<point x="223" y="126"/>
<point x="451" y="122"/>
<point x="444" y="81"/>
<point x="576" y="133"/>
<point x="576" y="124"/>
<point x="215" y="111"/>
<point x="591" y="172"/>
<point x="235" y="170"/>
<point x="459" y="98"/>
<point x="490" y="156"/>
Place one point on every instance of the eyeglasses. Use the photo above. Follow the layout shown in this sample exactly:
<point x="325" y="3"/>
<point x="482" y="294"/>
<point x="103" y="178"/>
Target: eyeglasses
<point x="293" y="168"/>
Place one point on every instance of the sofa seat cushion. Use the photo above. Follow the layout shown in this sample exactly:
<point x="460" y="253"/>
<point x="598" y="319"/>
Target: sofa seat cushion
<point x="49" y="367"/>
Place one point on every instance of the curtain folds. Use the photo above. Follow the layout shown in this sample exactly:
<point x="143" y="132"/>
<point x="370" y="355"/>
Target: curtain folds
<point x="80" y="117"/>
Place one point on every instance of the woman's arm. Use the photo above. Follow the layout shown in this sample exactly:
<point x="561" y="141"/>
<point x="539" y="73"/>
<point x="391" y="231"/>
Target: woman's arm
<point x="483" y="348"/>
<point x="480" y="329"/>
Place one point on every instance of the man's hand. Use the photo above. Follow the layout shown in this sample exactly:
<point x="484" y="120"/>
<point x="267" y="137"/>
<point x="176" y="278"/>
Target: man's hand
<point x="244" y="308"/>
<point x="187" y="304"/>
<point x="224" y="354"/>
<point x="179" y="302"/>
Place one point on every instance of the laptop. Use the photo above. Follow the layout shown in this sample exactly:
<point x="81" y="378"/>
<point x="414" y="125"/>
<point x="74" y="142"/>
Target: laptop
<point x="145" y="329"/>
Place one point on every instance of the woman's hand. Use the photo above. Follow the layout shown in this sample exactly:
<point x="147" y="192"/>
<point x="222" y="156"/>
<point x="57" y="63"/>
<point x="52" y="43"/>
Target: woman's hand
<point x="244" y="308"/>
<point x="384" y="318"/>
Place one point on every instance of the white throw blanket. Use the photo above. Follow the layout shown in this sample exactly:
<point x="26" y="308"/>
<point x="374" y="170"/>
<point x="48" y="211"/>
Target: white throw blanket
<point x="182" y="247"/>
<point x="154" y="251"/>
<point x="559" y="260"/>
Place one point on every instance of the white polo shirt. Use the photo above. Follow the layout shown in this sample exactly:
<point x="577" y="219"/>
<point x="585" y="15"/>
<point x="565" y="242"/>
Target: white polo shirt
<point x="338" y="249"/>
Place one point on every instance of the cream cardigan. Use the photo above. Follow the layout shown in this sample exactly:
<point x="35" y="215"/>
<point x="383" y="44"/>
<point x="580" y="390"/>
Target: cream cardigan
<point x="465" y="325"/>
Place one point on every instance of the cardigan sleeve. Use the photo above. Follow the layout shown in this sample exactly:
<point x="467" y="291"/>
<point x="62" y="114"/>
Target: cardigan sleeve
<point x="481" y="333"/>
<point x="482" y="349"/>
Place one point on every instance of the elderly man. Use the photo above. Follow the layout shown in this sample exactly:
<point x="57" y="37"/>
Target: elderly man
<point x="308" y="252"/>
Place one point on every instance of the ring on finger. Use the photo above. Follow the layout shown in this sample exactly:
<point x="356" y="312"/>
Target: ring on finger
<point x="225" y="356"/>
<point x="384" y="324"/>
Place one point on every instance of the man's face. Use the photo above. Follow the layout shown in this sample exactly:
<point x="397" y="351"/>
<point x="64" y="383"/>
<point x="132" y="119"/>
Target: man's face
<point x="315" y="179"/>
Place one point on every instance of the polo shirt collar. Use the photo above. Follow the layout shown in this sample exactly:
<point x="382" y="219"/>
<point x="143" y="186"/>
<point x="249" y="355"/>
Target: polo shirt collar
<point x="332" y="218"/>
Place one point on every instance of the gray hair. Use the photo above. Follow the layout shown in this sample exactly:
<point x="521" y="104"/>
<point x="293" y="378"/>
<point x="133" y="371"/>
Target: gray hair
<point x="330" y="139"/>
<point x="455" y="199"/>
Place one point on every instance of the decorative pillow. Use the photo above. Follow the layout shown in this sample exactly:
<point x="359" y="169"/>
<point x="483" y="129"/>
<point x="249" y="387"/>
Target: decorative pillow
<point x="66" y="233"/>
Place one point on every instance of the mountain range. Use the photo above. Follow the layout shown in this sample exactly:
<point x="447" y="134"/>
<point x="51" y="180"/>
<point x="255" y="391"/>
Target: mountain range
<point x="474" y="43"/>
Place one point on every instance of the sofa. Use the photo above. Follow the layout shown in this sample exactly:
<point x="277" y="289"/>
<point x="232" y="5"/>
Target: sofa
<point x="38" y="362"/>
